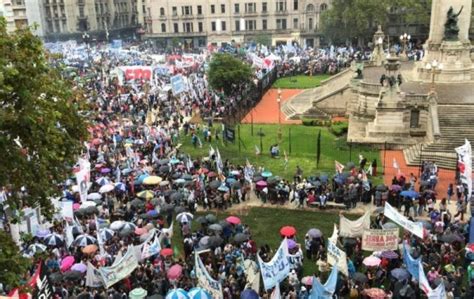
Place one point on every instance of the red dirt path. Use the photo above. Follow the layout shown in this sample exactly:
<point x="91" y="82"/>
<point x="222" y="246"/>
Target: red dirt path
<point x="266" y="111"/>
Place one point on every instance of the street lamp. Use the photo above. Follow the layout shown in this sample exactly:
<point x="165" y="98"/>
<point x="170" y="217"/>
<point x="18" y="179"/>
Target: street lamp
<point x="279" y="114"/>
<point x="405" y="39"/>
<point x="434" y="68"/>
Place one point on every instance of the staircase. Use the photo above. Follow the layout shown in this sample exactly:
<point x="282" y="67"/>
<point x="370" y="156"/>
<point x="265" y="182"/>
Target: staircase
<point x="456" y="125"/>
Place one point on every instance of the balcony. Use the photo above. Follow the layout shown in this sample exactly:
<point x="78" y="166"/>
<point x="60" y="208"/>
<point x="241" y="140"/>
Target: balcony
<point x="174" y="16"/>
<point x="177" y="34"/>
<point x="200" y="16"/>
<point x="187" y="17"/>
<point x="251" y="13"/>
<point x="162" y="18"/>
<point x="281" y="12"/>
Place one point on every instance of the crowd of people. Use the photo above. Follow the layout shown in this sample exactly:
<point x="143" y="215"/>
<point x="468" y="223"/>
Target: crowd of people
<point x="141" y="189"/>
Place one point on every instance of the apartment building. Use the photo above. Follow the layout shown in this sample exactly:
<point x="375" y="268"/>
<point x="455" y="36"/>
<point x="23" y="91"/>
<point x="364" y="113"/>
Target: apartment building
<point x="201" y="22"/>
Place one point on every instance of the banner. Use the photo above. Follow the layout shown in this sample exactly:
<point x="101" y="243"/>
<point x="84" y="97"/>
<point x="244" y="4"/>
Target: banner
<point x="120" y="270"/>
<point x="205" y="280"/>
<point x="44" y="289"/>
<point x="150" y="249"/>
<point x="295" y="260"/>
<point x="411" y="263"/>
<point x="380" y="239"/>
<point x="277" y="269"/>
<point x="327" y="290"/>
<point x="67" y="211"/>
<point x="337" y="257"/>
<point x="137" y="72"/>
<point x="438" y="293"/>
<point x="93" y="279"/>
<point x="252" y="275"/>
<point x="257" y="61"/>
<point x="465" y="165"/>
<point x="82" y="177"/>
<point x="177" y="84"/>
<point x="392" y="214"/>
<point x="354" y="229"/>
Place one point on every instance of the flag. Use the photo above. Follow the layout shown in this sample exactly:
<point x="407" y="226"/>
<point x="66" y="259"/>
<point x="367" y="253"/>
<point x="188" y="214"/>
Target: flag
<point x="396" y="166"/>
<point x="276" y="292"/>
<point x="318" y="149"/>
<point x="99" y="237"/>
<point x="93" y="279"/>
<point x="212" y="152"/>
<point x="219" y="164"/>
<point x="327" y="290"/>
<point x="257" y="150"/>
<point x="118" y="174"/>
<point x="339" y="167"/>
<point x="465" y="165"/>
<point x="438" y="293"/>
<point x="44" y="288"/>
<point x="412" y="265"/>
<point x="335" y="235"/>
<point x="151" y="246"/>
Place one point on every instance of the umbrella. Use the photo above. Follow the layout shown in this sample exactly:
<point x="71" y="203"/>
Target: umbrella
<point x="291" y="243"/>
<point x="90" y="249"/>
<point x="176" y="197"/>
<point x="233" y="220"/>
<point x="163" y="161"/>
<point x="106" y="234"/>
<point x="261" y="184"/>
<point x="41" y="233"/>
<point x="249" y="294"/>
<point x="257" y="178"/>
<point x="187" y="177"/>
<point x="395" y="188"/>
<point x="140" y="178"/>
<point x="215" y="241"/>
<point x="407" y="291"/>
<point x="389" y="225"/>
<point x="314" y="233"/>
<point x="125" y="232"/>
<point x="400" y="274"/>
<point x="375" y="293"/>
<point x="215" y="227"/>
<point x="84" y="240"/>
<point x="120" y="187"/>
<point x="166" y="252"/>
<point x="174" y="161"/>
<point x="72" y="275"/>
<point x="102" y="181"/>
<point x="137" y="203"/>
<point x="36" y="248"/>
<point x="106" y="188"/>
<point x="179" y="209"/>
<point x="152" y="213"/>
<point x="307" y="280"/>
<point x="201" y="220"/>
<point x="266" y="174"/>
<point x="147" y="194"/>
<point x="230" y="181"/>
<point x="223" y="188"/>
<point x="211" y="218"/>
<point x="371" y="261"/>
<point x="199" y="293"/>
<point x="288" y="231"/>
<point x="450" y="238"/>
<point x="211" y="174"/>
<point x="117" y="225"/>
<point x="177" y="294"/>
<point x="56" y="277"/>
<point x="53" y="239"/>
<point x="67" y="262"/>
<point x="152" y="180"/>
<point x="94" y="196"/>
<point x="87" y="204"/>
<point x="359" y="277"/>
<point x="129" y="226"/>
<point x="409" y="193"/>
<point x="164" y="169"/>
<point x="138" y="293"/>
<point x="381" y="187"/>
<point x="215" y="184"/>
<point x="164" y="183"/>
<point x="241" y="237"/>
<point x="391" y="255"/>
<point x="79" y="268"/>
<point x="175" y="272"/>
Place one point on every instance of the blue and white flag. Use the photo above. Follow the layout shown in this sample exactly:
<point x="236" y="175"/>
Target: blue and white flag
<point x="277" y="269"/>
<point x="325" y="291"/>
<point x="438" y="293"/>
<point x="205" y="280"/>
<point x="413" y="265"/>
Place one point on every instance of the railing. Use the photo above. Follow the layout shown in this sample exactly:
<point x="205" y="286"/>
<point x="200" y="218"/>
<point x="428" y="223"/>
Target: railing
<point x="370" y="88"/>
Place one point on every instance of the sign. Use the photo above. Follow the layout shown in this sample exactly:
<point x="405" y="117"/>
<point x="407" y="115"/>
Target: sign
<point x="414" y="228"/>
<point x="229" y="134"/>
<point x="93" y="279"/>
<point x="380" y="239"/>
<point x="151" y="248"/>
<point x="354" y="229"/>
<point x="276" y="270"/>
<point x="137" y="72"/>
<point x="465" y="165"/>
<point x="177" y="84"/>
<point x="44" y="289"/>
<point x="120" y="269"/>
<point x="337" y="257"/>
<point x="82" y="177"/>
<point x="295" y="260"/>
<point x="67" y="210"/>
<point x="205" y="280"/>
<point x="438" y="293"/>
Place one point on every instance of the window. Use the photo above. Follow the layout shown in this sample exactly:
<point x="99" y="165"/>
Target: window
<point x="237" y="25"/>
<point x="264" y="6"/>
<point x="414" y="118"/>
<point x="250" y="7"/>
<point x="264" y="24"/>
<point x="281" y="24"/>
<point x="187" y="10"/>
<point x="310" y="25"/>
<point x="223" y="26"/>
<point x="295" y="23"/>
<point x="175" y="11"/>
<point x="251" y="25"/>
<point x="295" y="4"/>
<point x="310" y="8"/>
<point x="236" y="8"/>
<point x="199" y="10"/>
<point x="222" y="8"/>
<point x="188" y="27"/>
<point x="213" y="8"/>
<point x="200" y="27"/>
<point x="323" y="7"/>
<point x="163" y="27"/>
<point x="213" y="26"/>
<point x="176" y="29"/>
<point x="162" y="11"/>
<point x="281" y="6"/>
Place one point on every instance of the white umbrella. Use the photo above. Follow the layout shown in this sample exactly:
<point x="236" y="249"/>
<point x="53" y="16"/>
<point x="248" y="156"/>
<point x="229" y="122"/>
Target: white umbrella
<point x="87" y="204"/>
<point x="106" y="188"/>
<point x="102" y="181"/>
<point x="117" y="225"/>
<point x="129" y="226"/>
<point x="36" y="248"/>
<point x="84" y="240"/>
<point x="106" y="234"/>
<point x="53" y="239"/>
<point x="184" y="217"/>
<point x="94" y="196"/>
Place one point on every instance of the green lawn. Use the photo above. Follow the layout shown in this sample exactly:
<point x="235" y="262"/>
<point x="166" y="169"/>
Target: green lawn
<point x="303" y="149"/>
<point x="300" y="82"/>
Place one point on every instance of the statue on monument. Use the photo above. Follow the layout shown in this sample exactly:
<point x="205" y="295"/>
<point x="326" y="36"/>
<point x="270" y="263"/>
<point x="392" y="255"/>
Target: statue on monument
<point x="451" y="28"/>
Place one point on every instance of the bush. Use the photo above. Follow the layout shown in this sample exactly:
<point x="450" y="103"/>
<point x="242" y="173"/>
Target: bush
<point x="315" y="122"/>
<point x="339" y="128"/>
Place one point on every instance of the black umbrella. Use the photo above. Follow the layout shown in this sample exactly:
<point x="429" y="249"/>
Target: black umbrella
<point x="137" y="203"/>
<point x="56" y="277"/>
<point x="215" y="184"/>
<point x="125" y="233"/>
<point x="215" y="227"/>
<point x="72" y="275"/>
<point x="164" y="169"/>
<point x="187" y="177"/>
<point x="450" y="238"/>
<point x="240" y="237"/>
<point x="224" y="223"/>
<point x="201" y="220"/>
<point x="176" y="197"/>
<point x="215" y="241"/>
<point x="360" y="277"/>
<point x="167" y="207"/>
<point x="179" y="209"/>
<point x="91" y="210"/>
<point x="257" y="178"/>
<point x="155" y="296"/>
<point x="211" y="218"/>
<point x="176" y="175"/>
<point x="163" y="161"/>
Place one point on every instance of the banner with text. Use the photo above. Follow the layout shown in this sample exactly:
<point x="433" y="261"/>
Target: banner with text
<point x="337" y="257"/>
<point x="354" y="229"/>
<point x="395" y="216"/>
<point x="119" y="270"/>
<point x="277" y="269"/>
<point x="205" y="280"/>
<point x="380" y="239"/>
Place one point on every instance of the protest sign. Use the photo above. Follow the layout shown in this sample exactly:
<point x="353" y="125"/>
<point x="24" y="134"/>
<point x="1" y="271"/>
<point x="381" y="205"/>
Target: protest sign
<point x="177" y="84"/>
<point x="380" y="239"/>
<point x="119" y="270"/>
<point x="354" y="229"/>
<point x="392" y="214"/>
<point x="337" y="257"/>
<point x="277" y="269"/>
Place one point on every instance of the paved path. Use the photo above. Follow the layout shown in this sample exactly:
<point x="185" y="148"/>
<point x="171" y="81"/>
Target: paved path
<point x="266" y="111"/>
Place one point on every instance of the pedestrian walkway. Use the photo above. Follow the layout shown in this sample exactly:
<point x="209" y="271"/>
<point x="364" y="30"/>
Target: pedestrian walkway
<point x="266" y="111"/>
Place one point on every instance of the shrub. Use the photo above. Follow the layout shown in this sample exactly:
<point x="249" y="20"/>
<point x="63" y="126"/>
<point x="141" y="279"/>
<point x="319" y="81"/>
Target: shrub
<point x="339" y="128"/>
<point x="315" y="122"/>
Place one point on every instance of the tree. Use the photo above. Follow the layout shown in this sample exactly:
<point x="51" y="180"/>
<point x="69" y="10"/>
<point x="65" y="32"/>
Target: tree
<point x="13" y="266"/>
<point x="227" y="72"/>
<point x="263" y="39"/>
<point x="41" y="129"/>
<point x="349" y="19"/>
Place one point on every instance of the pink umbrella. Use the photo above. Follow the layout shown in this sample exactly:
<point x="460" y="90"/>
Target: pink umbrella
<point x="175" y="272"/>
<point x="233" y="220"/>
<point x="261" y="184"/>
<point x="307" y="280"/>
<point x="67" y="263"/>
<point x="371" y="261"/>
<point x="76" y="206"/>
<point x="79" y="268"/>
<point x="140" y="231"/>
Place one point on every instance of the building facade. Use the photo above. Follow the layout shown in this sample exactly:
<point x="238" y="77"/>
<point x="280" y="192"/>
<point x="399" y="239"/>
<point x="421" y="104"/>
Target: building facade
<point x="199" y="23"/>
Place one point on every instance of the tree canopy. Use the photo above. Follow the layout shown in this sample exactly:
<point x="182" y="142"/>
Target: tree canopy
<point x="349" y="19"/>
<point x="41" y="130"/>
<point x="227" y="72"/>
<point x="13" y="266"/>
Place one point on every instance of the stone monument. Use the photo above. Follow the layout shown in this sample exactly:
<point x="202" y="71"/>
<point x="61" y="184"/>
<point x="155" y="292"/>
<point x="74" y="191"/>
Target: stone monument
<point x="378" y="55"/>
<point x="448" y="42"/>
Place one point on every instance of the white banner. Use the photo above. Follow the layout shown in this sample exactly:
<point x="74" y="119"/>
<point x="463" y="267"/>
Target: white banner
<point x="465" y="165"/>
<point x="93" y="279"/>
<point x="337" y="257"/>
<point x="392" y="214"/>
<point x="277" y="269"/>
<point x="295" y="260"/>
<point x="66" y="210"/>
<point x="120" y="270"/>
<point x="380" y="239"/>
<point x="151" y="247"/>
<point x="205" y="280"/>
<point x="82" y="177"/>
<point x="354" y="229"/>
<point x="438" y="293"/>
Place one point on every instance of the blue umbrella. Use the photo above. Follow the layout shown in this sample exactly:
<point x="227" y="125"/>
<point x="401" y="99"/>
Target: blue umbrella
<point x="249" y="294"/>
<point x="120" y="187"/>
<point x="230" y="181"/>
<point x="140" y="179"/>
<point x="199" y="293"/>
<point x="174" y="161"/>
<point x="152" y="213"/>
<point x="102" y="181"/>
<point x="266" y="174"/>
<point x="177" y="294"/>
<point x="410" y="193"/>
<point x="223" y="188"/>
<point x="400" y="274"/>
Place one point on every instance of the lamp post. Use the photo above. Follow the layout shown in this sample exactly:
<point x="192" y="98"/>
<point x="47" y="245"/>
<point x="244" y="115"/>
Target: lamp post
<point x="279" y="114"/>
<point x="434" y="68"/>
<point x="405" y="39"/>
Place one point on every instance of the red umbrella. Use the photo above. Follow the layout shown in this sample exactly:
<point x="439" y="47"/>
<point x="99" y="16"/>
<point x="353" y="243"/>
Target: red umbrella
<point x="212" y="174"/>
<point x="288" y="231"/>
<point x="233" y="220"/>
<point x="175" y="272"/>
<point x="96" y="141"/>
<point x="166" y="252"/>
<point x="261" y="184"/>
<point x="204" y="170"/>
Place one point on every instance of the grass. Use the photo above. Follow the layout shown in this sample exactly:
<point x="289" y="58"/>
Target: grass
<point x="303" y="149"/>
<point x="300" y="81"/>
<point x="265" y="224"/>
